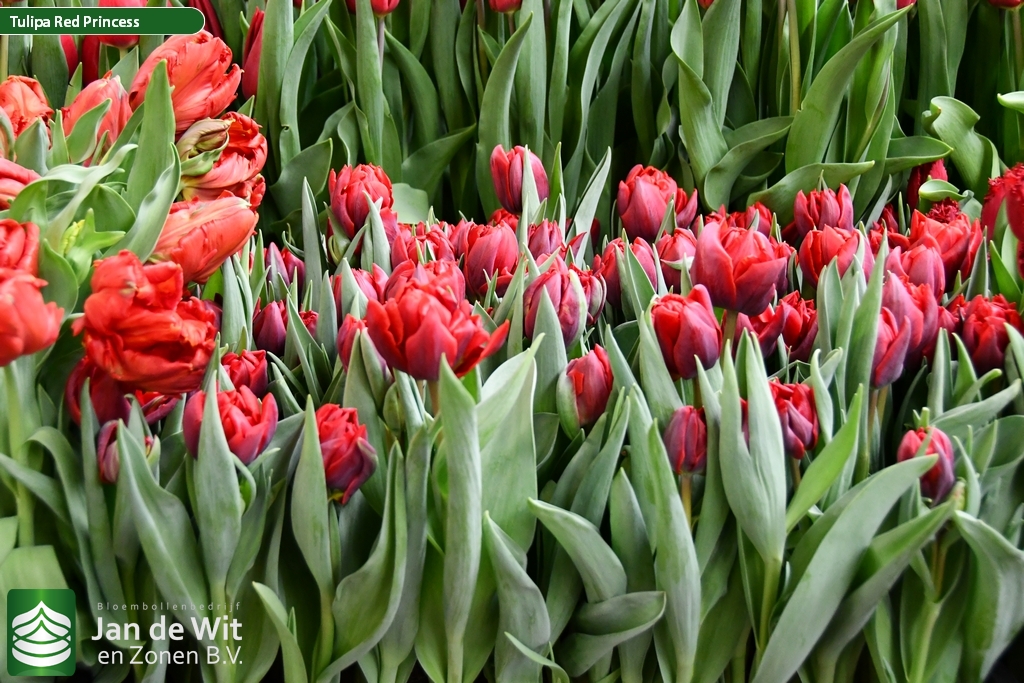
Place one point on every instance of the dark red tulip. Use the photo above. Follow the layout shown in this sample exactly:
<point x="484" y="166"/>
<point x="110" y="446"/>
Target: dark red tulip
<point x="956" y="236"/>
<point x="686" y="440"/>
<point x="984" y="330"/>
<point x="819" y="209"/>
<point x="643" y="199"/>
<point x="421" y="243"/>
<point x="741" y="269"/>
<point x="270" y="328"/>
<point x="584" y="389"/>
<point x="350" y="327"/>
<point x="917" y="305"/>
<point x="767" y="327"/>
<point x="381" y="8"/>
<point x="249" y="423"/>
<point x="492" y="253"/>
<point x="286" y="265"/>
<point x="67" y="43"/>
<point x="922" y="264"/>
<point x="544" y="238"/>
<point x="121" y="41"/>
<point x="247" y="369"/>
<point x="566" y="295"/>
<point x="348" y="189"/>
<point x="109" y="397"/>
<point x="252" y="49"/>
<point x="934" y="170"/>
<point x="798" y="415"/>
<point x="594" y="292"/>
<point x="607" y="265"/>
<point x="507" y="168"/>
<point x="675" y="251"/>
<point x="505" y="6"/>
<point x="819" y="247"/>
<point x="108" y="460"/>
<point x="212" y="23"/>
<point x="937" y="482"/>
<point x="890" y="349"/>
<point x="745" y="219"/>
<point x="349" y="459"/>
<point x="799" y="326"/>
<point x="951" y="316"/>
<point x="372" y="284"/>
<point x="687" y="332"/>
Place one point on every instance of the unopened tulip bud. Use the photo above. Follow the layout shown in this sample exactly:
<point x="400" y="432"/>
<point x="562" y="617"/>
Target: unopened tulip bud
<point x="936" y="482"/>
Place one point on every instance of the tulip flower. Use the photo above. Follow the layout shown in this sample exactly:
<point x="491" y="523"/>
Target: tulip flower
<point x="137" y="328"/>
<point x="108" y="396"/>
<point x="918" y="306"/>
<point x="567" y="297"/>
<point x="1007" y="189"/>
<point x="350" y="327"/>
<point x="795" y="405"/>
<point x="247" y="369"/>
<point x="251" y="51"/>
<point x="956" y="237"/>
<point x="544" y="239"/>
<point x="24" y="102"/>
<point x="90" y="58"/>
<point x="67" y="43"/>
<point x="249" y="423"/>
<point x="686" y="440"/>
<point x="745" y="219"/>
<point x="421" y="243"/>
<point x="458" y="235"/>
<point x="237" y="170"/>
<point x="503" y="216"/>
<point x="675" y="252"/>
<point x="381" y="8"/>
<point x="201" y="75"/>
<point x="799" y="325"/>
<point x="687" y="332"/>
<point x="507" y="167"/>
<point x="921" y="265"/>
<point x="741" y="269"/>
<point x="937" y="482"/>
<point x="444" y="276"/>
<point x="419" y="325"/>
<point x="120" y="40"/>
<point x="27" y="323"/>
<point x="890" y="349"/>
<point x="270" y="326"/>
<point x="819" y="247"/>
<point x="286" y="265"/>
<point x="371" y="284"/>
<point x="492" y="253"/>
<point x="819" y="209"/>
<point x="348" y="189"/>
<point x="210" y="21"/>
<point x="934" y="170"/>
<point x="984" y="330"/>
<point x="503" y="6"/>
<point x="766" y="326"/>
<point x="199" y="236"/>
<point x="1005" y="4"/>
<point x="108" y="460"/>
<point x="19" y="246"/>
<point x="583" y="390"/>
<point x="951" y="316"/>
<point x="607" y="266"/>
<point x="643" y="199"/>
<point x="13" y="179"/>
<point x="349" y="459"/>
<point x="594" y="292"/>
<point x="94" y="94"/>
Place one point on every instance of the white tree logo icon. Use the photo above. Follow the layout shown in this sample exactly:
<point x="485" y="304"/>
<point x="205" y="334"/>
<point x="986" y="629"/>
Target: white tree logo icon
<point x="41" y="637"/>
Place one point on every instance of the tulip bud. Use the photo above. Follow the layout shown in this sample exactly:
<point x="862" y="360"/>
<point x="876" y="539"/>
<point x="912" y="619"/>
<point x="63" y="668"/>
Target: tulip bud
<point x="583" y="390"/>
<point x="116" y="118"/>
<point x="13" y="179"/>
<point x="819" y="209"/>
<point x="90" y="58"/>
<point x="934" y="170"/>
<point x="270" y="328"/>
<point x="286" y="265"/>
<point x="24" y="101"/>
<point x="211" y="22"/>
<point x="607" y="265"/>
<point x="984" y="330"/>
<point x="19" y="246"/>
<point x="349" y="459"/>
<point x="381" y="8"/>
<point x="594" y="292"/>
<point x="247" y="369"/>
<point x="921" y="265"/>
<point x="251" y="52"/>
<point x="799" y="326"/>
<point x="350" y="327"/>
<point x="67" y="43"/>
<point x="544" y="239"/>
<point x="206" y="135"/>
<point x="108" y="396"/>
<point x="507" y="167"/>
<point x="820" y="247"/>
<point x="766" y="327"/>
<point x="27" y="323"/>
<point x="890" y="349"/>
<point x="505" y="6"/>
<point x="798" y="415"/>
<point x="492" y="253"/>
<point x="371" y="284"/>
<point x="686" y="440"/>
<point x="741" y="269"/>
<point x="687" y="332"/>
<point x="348" y="189"/>
<point x="936" y="482"/>
<point x="249" y="424"/>
<point x="675" y="252"/>
<point x="642" y="200"/>
<point x="108" y="460"/>
<point x="566" y="295"/>
<point x="745" y="219"/>
<point x="918" y="306"/>
<point x="119" y="40"/>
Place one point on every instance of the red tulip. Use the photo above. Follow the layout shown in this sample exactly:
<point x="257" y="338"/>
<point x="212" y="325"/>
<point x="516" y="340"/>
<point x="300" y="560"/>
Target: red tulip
<point x="200" y="236"/>
<point x="594" y="292"/>
<point x="372" y="284"/>
<point x="745" y="219"/>
<point x="934" y="170"/>
<point x="419" y="325"/>
<point x="27" y="323"/>
<point x="67" y="43"/>
<point x="766" y="326"/>
<point x="348" y="189"/>
<point x="686" y="440"/>
<point x="937" y="482"/>
<point x="210" y="21"/>
<point x="91" y="96"/>
<point x="566" y="295"/>
<point x="951" y="317"/>
<point x="202" y="77"/>
<point x="421" y="243"/>
<point x="507" y="167"/>
<point x="922" y="264"/>
<point x="24" y="101"/>
<point x="118" y="40"/>
<point x="381" y="8"/>
<point x="108" y="460"/>
<point x="956" y="236"/>
<point x="544" y="238"/>
<point x="249" y="424"/>
<point x="607" y="266"/>
<point x="799" y="325"/>
<point x="643" y="199"/>
<point x="675" y="251"/>
<point x="138" y="329"/>
<point x="492" y="253"/>
<point x="795" y="405"/>
<point x="687" y="332"/>
<point x="270" y="328"/>
<point x="818" y="210"/>
<point x="1005" y="4"/>
<point x="1007" y="189"/>
<point x="584" y="389"/>
<point x="458" y="235"/>
<point x="819" y="247"/>
<point x="918" y="307"/>
<point x="247" y="369"/>
<point x="741" y="269"/>
<point x="286" y="265"/>
<point x="108" y="396"/>
<point x="504" y="6"/>
<point x="984" y="330"/>
<point x="349" y="459"/>
<point x="90" y="58"/>
<point x="237" y="169"/>
<point x="19" y="246"/>
<point x="445" y="276"/>
<point x="251" y="51"/>
<point x="13" y="179"/>
<point x="503" y="216"/>
<point x="890" y="349"/>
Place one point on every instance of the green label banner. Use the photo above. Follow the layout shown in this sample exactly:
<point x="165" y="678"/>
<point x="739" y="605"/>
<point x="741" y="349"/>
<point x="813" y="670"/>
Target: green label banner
<point x="101" y="20"/>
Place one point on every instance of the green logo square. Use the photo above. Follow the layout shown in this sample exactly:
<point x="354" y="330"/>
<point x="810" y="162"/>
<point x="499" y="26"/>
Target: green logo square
<point x="40" y="632"/>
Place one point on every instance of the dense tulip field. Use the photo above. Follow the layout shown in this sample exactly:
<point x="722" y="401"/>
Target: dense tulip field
<point x="519" y="341"/>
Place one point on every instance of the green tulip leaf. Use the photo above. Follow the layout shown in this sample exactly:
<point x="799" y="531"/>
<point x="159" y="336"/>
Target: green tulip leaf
<point x="599" y="627"/>
<point x="745" y="144"/>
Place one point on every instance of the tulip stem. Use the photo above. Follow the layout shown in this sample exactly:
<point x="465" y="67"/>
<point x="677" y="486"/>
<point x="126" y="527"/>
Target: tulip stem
<point x="481" y="21"/>
<point x="794" y="58"/>
<point x="16" y="446"/>
<point x="794" y="465"/>
<point x="686" y="494"/>
<point x="380" y="41"/>
<point x="434" y="389"/>
<point x="1018" y="44"/>
<point x="729" y="328"/>
<point x="931" y="613"/>
<point x="511" y="23"/>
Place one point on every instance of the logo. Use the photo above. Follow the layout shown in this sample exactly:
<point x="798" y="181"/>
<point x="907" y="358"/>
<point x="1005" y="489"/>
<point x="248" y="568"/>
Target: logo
<point x="40" y="632"/>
